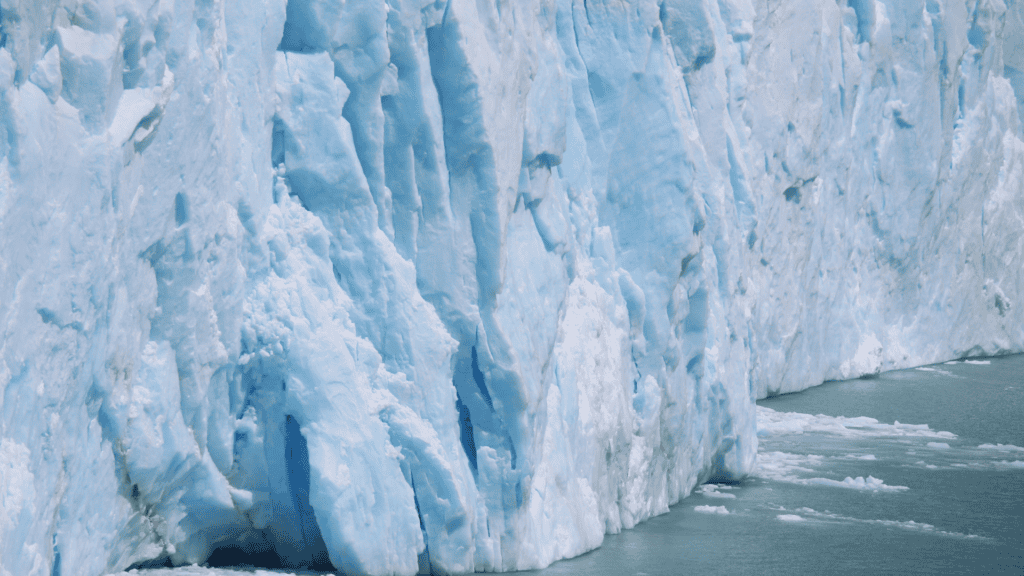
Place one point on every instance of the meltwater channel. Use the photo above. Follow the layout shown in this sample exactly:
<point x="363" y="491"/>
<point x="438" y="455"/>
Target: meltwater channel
<point x="917" y="471"/>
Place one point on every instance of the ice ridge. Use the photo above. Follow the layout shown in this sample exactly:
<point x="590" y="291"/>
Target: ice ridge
<point x="455" y="286"/>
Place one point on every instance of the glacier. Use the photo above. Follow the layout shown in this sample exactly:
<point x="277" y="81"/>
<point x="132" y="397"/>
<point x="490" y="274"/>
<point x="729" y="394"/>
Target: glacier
<point x="448" y="285"/>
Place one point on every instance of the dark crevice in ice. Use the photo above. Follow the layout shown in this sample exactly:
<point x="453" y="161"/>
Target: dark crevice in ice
<point x="132" y="52"/>
<point x="693" y="365"/>
<point x="720" y="472"/>
<point x="313" y="553"/>
<point x="976" y="35"/>
<point x="478" y="377"/>
<point x="293" y="539"/>
<point x="3" y="29"/>
<point x="278" y="142"/>
<point x="684" y="265"/>
<point x="479" y="422"/>
<point x="792" y="194"/>
<point x="423" y="558"/>
<point x="898" y="117"/>
<point x="180" y="209"/>
<point x="249" y="555"/>
<point x="703" y="58"/>
<point x="1002" y="305"/>
<point x="512" y="452"/>
<point x="466" y="431"/>
<point x="55" y="570"/>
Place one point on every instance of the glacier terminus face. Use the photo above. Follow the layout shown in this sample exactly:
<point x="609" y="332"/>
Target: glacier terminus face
<point x="463" y="285"/>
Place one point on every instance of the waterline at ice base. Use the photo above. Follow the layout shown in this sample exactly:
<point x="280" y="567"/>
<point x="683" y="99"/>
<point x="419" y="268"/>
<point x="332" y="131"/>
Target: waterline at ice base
<point x="393" y="286"/>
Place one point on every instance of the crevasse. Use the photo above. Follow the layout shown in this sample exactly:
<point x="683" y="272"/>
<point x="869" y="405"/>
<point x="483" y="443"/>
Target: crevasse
<point x="464" y="285"/>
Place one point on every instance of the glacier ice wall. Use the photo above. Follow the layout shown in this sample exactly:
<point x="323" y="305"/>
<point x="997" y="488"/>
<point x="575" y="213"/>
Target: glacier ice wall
<point x="463" y="284"/>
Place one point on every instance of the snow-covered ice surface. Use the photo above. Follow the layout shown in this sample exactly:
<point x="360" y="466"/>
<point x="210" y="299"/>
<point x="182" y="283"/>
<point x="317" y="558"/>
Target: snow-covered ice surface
<point x="469" y="284"/>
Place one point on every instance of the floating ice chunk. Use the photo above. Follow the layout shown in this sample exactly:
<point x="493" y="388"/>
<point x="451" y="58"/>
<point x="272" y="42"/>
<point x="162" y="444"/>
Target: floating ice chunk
<point x="775" y="465"/>
<point x="772" y="423"/>
<point x="859" y="483"/>
<point x="711" y="491"/>
<point x="900" y="524"/>
<point x="790" y="518"/>
<point x="978" y="362"/>
<point x="938" y="445"/>
<point x="1018" y="464"/>
<point x="711" y="509"/>
<point x="784" y="467"/>
<point x="862" y="456"/>
<point x="936" y="371"/>
<point x="1001" y="447"/>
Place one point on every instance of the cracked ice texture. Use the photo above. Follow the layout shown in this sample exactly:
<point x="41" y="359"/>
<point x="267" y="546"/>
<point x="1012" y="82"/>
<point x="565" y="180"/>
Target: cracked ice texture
<point x="469" y="283"/>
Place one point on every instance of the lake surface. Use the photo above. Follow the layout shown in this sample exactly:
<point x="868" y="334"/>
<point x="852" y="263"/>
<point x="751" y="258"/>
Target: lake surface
<point x="916" y="471"/>
<point x="841" y="493"/>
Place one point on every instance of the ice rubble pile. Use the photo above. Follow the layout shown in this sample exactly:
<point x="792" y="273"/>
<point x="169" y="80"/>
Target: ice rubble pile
<point x="466" y="285"/>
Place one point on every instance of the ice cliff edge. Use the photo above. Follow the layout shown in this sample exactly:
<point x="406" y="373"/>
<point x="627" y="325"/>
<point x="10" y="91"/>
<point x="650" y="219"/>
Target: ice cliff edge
<point x="465" y="285"/>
